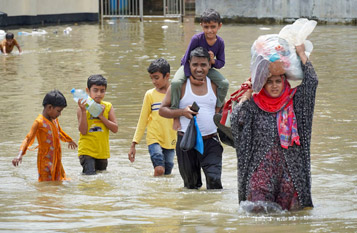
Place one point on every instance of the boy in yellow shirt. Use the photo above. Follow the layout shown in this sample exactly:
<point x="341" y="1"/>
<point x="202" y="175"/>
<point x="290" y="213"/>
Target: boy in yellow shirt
<point x="93" y="145"/>
<point x="160" y="137"/>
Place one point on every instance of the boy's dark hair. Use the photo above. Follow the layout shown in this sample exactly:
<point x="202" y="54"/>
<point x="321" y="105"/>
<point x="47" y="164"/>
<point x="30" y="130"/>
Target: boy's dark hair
<point x="9" y="36"/>
<point x="159" y="65"/>
<point x="96" y="79"/>
<point x="200" y="52"/>
<point x="55" y="98"/>
<point x="211" y="15"/>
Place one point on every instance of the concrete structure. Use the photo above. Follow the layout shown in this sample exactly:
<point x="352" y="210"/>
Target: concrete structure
<point x="28" y="12"/>
<point x="281" y="11"/>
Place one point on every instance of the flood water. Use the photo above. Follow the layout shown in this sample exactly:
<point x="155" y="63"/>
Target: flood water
<point x="127" y="197"/>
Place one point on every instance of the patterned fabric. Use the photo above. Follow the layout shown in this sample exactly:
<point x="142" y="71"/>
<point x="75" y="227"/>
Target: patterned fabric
<point x="283" y="105"/>
<point x="272" y="181"/>
<point x="49" y="156"/>
<point x="255" y="132"/>
<point x="287" y="127"/>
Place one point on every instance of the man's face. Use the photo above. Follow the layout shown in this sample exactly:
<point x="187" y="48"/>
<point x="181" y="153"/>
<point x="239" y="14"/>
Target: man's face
<point x="199" y="68"/>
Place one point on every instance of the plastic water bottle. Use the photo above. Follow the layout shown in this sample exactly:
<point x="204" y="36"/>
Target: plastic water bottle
<point x="23" y="33"/>
<point x="93" y="107"/>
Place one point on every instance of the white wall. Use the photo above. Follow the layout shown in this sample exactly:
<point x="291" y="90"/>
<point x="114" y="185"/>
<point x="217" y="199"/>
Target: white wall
<point x="46" y="7"/>
<point x="328" y="10"/>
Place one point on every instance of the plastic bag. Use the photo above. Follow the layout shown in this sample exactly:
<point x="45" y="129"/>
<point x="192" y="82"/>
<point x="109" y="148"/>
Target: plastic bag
<point x="199" y="140"/>
<point x="296" y="33"/>
<point x="280" y="48"/>
<point x="192" y="137"/>
<point x="189" y="138"/>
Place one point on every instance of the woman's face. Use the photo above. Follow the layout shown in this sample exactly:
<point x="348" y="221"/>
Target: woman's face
<point x="274" y="86"/>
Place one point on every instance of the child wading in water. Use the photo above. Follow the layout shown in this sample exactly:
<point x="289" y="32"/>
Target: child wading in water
<point x="7" y="45"/>
<point x="210" y="22"/>
<point x="160" y="137"/>
<point x="49" y="133"/>
<point x="93" y="145"/>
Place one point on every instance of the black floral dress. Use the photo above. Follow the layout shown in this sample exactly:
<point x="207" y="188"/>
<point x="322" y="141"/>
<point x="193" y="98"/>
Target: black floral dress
<point x="266" y="171"/>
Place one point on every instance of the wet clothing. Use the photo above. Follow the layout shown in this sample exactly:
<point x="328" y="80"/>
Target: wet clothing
<point x="190" y="164"/>
<point x="271" y="181"/>
<point x="96" y="142"/>
<point x="91" y="165"/>
<point x="49" y="156"/>
<point x="159" y="129"/>
<point x="162" y="157"/>
<point x="256" y="136"/>
<point x="199" y="40"/>
<point x="8" y="47"/>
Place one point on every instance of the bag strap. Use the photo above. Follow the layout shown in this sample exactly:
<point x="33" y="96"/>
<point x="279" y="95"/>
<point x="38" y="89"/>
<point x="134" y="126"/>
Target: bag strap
<point x="234" y="97"/>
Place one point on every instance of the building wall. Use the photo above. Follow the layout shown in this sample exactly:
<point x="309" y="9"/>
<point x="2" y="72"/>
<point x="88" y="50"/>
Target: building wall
<point x="329" y="11"/>
<point x="46" y="7"/>
<point x="29" y="12"/>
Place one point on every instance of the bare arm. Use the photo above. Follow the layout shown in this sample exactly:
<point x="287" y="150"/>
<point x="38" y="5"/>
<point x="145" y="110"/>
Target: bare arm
<point x="18" y="47"/>
<point x="167" y="112"/>
<point x="111" y="122"/>
<point x="82" y="117"/>
<point x="17" y="160"/>
<point x="132" y="152"/>
<point x="4" y="48"/>
<point x="300" y="50"/>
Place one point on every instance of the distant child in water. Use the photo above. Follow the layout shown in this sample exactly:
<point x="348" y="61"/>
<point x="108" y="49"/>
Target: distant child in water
<point x="7" y="45"/>
<point x="49" y="133"/>
<point x="210" y="22"/>
<point x="160" y="137"/>
<point x="93" y="145"/>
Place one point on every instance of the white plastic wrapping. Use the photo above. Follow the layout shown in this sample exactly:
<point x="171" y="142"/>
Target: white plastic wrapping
<point x="280" y="48"/>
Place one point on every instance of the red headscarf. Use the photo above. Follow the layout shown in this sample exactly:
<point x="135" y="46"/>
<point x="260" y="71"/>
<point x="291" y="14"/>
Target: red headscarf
<point x="283" y="106"/>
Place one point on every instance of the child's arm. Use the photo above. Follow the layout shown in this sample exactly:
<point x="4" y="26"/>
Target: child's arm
<point x="28" y="141"/>
<point x="111" y="122"/>
<point x="72" y="145"/>
<point x="17" y="160"/>
<point x="82" y="117"/>
<point x="141" y="126"/>
<point x="18" y="46"/>
<point x="4" y="48"/>
<point x="132" y="152"/>
<point x="220" y="60"/>
<point x="66" y="138"/>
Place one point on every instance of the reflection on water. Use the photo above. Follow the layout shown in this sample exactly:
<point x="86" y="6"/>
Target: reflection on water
<point x="127" y="197"/>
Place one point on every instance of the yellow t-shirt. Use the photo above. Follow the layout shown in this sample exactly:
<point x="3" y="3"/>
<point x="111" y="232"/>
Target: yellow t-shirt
<point x="96" y="142"/>
<point x="159" y="129"/>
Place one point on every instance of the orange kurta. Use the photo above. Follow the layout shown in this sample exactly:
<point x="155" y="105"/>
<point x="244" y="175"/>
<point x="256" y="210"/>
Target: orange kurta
<point x="49" y="156"/>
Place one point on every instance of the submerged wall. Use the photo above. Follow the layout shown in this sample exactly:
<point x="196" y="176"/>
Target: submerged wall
<point x="266" y="11"/>
<point x="27" y="12"/>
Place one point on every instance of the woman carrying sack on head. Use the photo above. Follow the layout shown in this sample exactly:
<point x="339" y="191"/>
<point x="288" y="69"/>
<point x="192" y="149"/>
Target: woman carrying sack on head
<point x="272" y="135"/>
